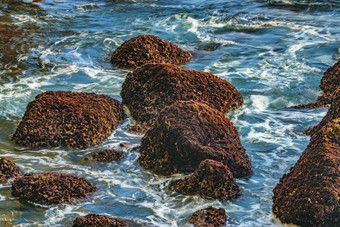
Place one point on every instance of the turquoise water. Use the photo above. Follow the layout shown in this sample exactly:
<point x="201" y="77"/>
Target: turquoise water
<point x="273" y="51"/>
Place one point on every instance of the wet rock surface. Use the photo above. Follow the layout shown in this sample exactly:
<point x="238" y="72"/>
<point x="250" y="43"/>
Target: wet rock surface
<point x="211" y="180"/>
<point x="70" y="119"/>
<point x="148" y="49"/>
<point x="189" y="132"/>
<point x="97" y="220"/>
<point x="51" y="188"/>
<point x="309" y="195"/>
<point x="8" y="170"/>
<point x="150" y="88"/>
<point x="108" y="155"/>
<point x="209" y="217"/>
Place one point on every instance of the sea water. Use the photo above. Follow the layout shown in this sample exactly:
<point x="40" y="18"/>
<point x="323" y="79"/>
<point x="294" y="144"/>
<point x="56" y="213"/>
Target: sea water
<point x="273" y="51"/>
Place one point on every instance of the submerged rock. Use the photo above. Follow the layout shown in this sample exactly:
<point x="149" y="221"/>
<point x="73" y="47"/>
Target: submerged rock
<point x="330" y="82"/>
<point x="150" y="88"/>
<point x="189" y="132"/>
<point x="8" y="170"/>
<point x="209" y="217"/>
<point x="97" y="220"/>
<point x="212" y="179"/>
<point x="309" y="195"/>
<point x="108" y="155"/>
<point x="148" y="49"/>
<point x="51" y="188"/>
<point x="125" y="144"/>
<point x="71" y="119"/>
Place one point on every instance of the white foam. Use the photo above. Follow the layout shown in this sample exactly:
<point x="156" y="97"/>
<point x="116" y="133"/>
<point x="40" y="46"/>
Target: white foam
<point x="260" y="102"/>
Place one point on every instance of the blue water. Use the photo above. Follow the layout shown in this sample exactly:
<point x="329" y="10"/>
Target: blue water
<point x="273" y="51"/>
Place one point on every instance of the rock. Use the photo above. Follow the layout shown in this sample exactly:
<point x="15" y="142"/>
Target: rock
<point x="135" y="129"/>
<point x="8" y="170"/>
<point x="330" y="82"/>
<point x="109" y="155"/>
<point x="148" y="49"/>
<point x="64" y="118"/>
<point x="125" y="144"/>
<point x="309" y="195"/>
<point x="209" y="217"/>
<point x="333" y="113"/>
<point x="97" y="220"/>
<point x="189" y="132"/>
<point x="150" y="88"/>
<point x="51" y="188"/>
<point x="212" y="180"/>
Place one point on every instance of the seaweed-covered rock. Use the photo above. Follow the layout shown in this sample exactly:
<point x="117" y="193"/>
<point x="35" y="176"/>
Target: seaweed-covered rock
<point x="330" y="82"/>
<point x="8" y="170"/>
<point x="148" y="89"/>
<point x="333" y="113"/>
<point x="108" y="155"/>
<point x="51" y="188"/>
<point x="97" y="220"/>
<point x="189" y="132"/>
<point x="309" y="195"/>
<point x="209" y="217"/>
<point x="212" y="179"/>
<point x="71" y="119"/>
<point x="148" y="49"/>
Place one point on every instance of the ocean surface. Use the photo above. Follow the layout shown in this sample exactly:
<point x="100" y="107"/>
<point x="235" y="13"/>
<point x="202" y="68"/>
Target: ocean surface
<point x="273" y="51"/>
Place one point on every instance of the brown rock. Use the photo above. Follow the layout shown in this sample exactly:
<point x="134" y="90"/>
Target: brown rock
<point x="148" y="49"/>
<point x="136" y="129"/>
<point x="91" y="220"/>
<point x="309" y="195"/>
<point x="109" y="155"/>
<point x="189" y="132"/>
<point x="64" y="118"/>
<point x="8" y="170"/>
<point x="209" y="217"/>
<point x="150" y="88"/>
<point x="51" y="188"/>
<point x="125" y="144"/>
<point x="330" y="82"/>
<point x="212" y="179"/>
<point x="333" y="113"/>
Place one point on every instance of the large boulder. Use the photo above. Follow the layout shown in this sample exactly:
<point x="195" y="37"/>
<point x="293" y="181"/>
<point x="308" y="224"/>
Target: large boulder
<point x="148" y="49"/>
<point x="8" y="170"/>
<point x="108" y="155"/>
<point x="212" y="179"/>
<point x="51" y="188"/>
<point x="209" y="217"/>
<point x="309" y="195"/>
<point x="330" y="82"/>
<point x="332" y="114"/>
<point x="150" y="88"/>
<point x="189" y="132"/>
<point x="97" y="220"/>
<point x="71" y="119"/>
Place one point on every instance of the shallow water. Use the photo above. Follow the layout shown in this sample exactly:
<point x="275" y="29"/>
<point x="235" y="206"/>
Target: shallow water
<point x="273" y="51"/>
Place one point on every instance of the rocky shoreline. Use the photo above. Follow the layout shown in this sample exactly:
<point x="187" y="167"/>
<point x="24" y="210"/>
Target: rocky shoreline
<point x="182" y="113"/>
